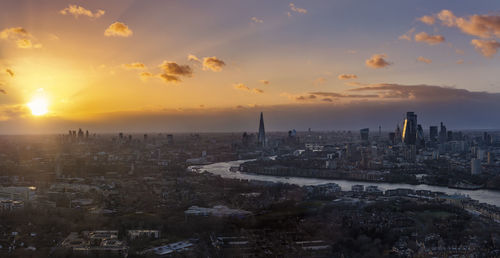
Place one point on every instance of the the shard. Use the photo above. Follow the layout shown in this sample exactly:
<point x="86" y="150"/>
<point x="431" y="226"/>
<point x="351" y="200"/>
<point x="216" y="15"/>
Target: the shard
<point x="262" y="131"/>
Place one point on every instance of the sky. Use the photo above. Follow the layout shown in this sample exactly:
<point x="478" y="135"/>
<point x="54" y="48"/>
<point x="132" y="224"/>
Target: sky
<point x="210" y="66"/>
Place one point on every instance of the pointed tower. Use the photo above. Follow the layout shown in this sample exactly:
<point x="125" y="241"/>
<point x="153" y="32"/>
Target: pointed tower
<point x="262" y="132"/>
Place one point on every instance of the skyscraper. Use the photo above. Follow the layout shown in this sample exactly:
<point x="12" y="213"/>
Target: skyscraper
<point x="262" y="131"/>
<point x="364" y="134"/>
<point x="409" y="136"/>
<point x="433" y="133"/>
<point x="443" y="135"/>
<point x="420" y="136"/>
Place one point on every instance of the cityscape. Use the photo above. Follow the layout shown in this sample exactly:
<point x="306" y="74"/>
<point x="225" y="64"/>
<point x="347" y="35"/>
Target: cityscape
<point x="249" y="128"/>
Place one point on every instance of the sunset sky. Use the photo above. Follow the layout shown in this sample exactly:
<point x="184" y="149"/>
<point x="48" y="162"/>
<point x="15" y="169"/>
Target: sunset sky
<point x="168" y="65"/>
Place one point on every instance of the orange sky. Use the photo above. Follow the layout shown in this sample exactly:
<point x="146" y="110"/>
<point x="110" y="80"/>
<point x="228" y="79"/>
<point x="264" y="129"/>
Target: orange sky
<point x="89" y="59"/>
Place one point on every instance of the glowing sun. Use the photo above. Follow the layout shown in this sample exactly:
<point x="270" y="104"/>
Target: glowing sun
<point x="39" y="105"/>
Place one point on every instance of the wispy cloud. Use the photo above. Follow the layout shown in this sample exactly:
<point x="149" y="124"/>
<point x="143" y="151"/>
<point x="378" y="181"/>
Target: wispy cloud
<point x="78" y="11"/>
<point x="257" y="20"/>
<point x="20" y="37"/>
<point x="136" y="65"/>
<point x="296" y="9"/>
<point x="424" y="60"/>
<point x="429" y="39"/>
<point x="346" y="76"/>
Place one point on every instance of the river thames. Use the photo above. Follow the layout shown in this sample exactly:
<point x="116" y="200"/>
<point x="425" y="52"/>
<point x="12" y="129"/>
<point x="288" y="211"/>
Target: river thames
<point x="223" y="169"/>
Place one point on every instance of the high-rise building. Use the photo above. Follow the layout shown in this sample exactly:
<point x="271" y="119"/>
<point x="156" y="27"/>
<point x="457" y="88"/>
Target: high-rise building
<point x="443" y="135"/>
<point x="475" y="166"/>
<point x="409" y="136"/>
<point x="364" y="134"/>
<point x="433" y="133"/>
<point x="392" y="137"/>
<point x="420" y="136"/>
<point x="261" y="139"/>
<point x="397" y="134"/>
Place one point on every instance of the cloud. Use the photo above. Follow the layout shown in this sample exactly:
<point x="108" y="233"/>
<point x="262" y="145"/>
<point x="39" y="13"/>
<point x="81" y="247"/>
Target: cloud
<point x="424" y="60"/>
<point x="429" y="20"/>
<point x="461" y="61"/>
<point x="320" y="81"/>
<point x="484" y="26"/>
<point x="10" y="72"/>
<point x="3" y="91"/>
<point x="173" y="71"/>
<point x="408" y="34"/>
<point x="265" y="82"/>
<point x="192" y="57"/>
<point x="306" y="98"/>
<point x="173" y="68"/>
<point x="429" y="39"/>
<point x="14" y="33"/>
<point x="352" y="52"/>
<point x="327" y="100"/>
<point x="20" y="36"/>
<point x="347" y="76"/>
<point x="213" y="63"/>
<point x="257" y="20"/>
<point x="487" y="48"/>
<point x="118" y="29"/>
<point x="377" y="61"/>
<point x="136" y="65"/>
<point x="424" y="93"/>
<point x="241" y="86"/>
<point x="170" y="78"/>
<point x="258" y="91"/>
<point x="146" y="75"/>
<point x="78" y="11"/>
<point x="297" y="9"/>
<point x="343" y="95"/>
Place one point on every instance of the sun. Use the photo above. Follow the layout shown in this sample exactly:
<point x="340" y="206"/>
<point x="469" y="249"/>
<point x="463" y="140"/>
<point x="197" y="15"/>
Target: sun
<point x="39" y="105"/>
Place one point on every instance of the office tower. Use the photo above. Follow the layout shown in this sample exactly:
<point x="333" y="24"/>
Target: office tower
<point x="409" y="136"/>
<point x="379" y="131"/>
<point x="420" y="136"/>
<point x="450" y="136"/>
<point x="364" y="133"/>
<point x="170" y="139"/>
<point x="442" y="134"/>
<point x="475" y="166"/>
<point x="491" y="158"/>
<point x="397" y="133"/>
<point x="433" y="133"/>
<point x="392" y="138"/>
<point x="261" y="139"/>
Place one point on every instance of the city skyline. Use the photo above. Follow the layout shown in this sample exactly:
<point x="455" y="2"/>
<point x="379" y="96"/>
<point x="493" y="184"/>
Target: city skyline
<point x="101" y="65"/>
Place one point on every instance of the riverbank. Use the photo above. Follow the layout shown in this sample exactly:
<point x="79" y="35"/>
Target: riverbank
<point x="223" y="169"/>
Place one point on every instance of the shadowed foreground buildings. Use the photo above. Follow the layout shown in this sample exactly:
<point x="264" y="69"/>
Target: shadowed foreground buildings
<point x="148" y="195"/>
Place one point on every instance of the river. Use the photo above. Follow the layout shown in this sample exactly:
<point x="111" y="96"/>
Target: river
<point x="222" y="169"/>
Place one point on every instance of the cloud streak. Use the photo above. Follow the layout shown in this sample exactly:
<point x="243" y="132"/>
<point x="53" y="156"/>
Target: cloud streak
<point x="429" y="39"/>
<point x="78" y="11"/>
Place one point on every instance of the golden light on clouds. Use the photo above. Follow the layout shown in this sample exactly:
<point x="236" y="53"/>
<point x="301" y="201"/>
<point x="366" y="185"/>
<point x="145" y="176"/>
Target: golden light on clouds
<point x="118" y="29"/>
